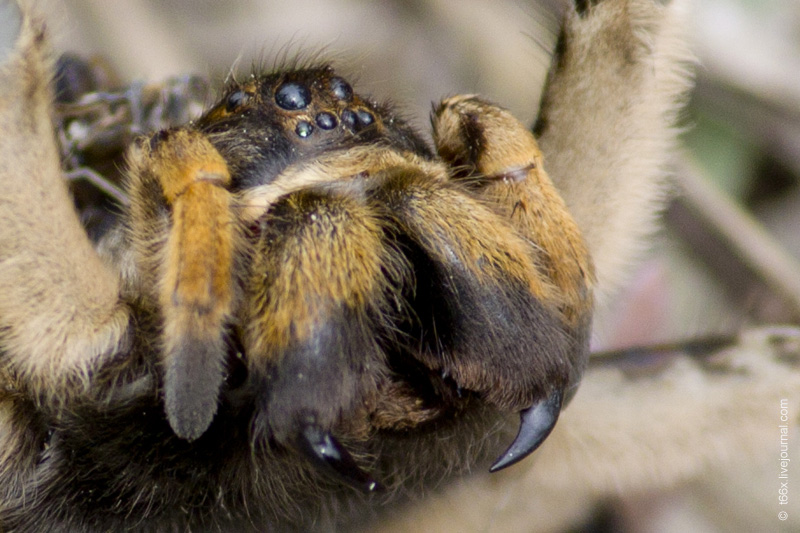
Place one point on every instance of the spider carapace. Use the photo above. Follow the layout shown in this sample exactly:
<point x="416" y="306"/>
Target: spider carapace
<point x="322" y="273"/>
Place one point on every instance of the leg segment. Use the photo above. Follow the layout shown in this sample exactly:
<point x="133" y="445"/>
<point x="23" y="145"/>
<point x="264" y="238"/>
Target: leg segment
<point x="60" y="313"/>
<point x="504" y="165"/>
<point x="185" y="237"/>
<point x="607" y="142"/>
<point x="500" y="160"/>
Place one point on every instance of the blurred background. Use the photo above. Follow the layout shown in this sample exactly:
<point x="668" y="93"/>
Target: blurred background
<point x="729" y="254"/>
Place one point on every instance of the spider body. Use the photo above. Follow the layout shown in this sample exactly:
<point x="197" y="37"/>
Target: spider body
<point x="301" y="271"/>
<point x="306" y="311"/>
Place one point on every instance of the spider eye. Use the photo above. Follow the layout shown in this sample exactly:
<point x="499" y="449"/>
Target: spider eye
<point x="365" y="117"/>
<point x="355" y="120"/>
<point x="303" y="129"/>
<point x="236" y="100"/>
<point x="349" y="118"/>
<point x="341" y="89"/>
<point x="292" y="96"/>
<point x="326" y="121"/>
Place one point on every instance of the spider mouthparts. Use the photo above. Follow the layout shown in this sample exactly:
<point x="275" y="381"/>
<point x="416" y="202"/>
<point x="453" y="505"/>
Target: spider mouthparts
<point x="536" y="423"/>
<point x="324" y="449"/>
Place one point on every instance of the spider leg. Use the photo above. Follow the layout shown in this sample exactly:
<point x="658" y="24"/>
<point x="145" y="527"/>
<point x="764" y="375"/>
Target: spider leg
<point x="185" y="235"/>
<point x="500" y="160"/>
<point x="60" y="311"/>
<point x="607" y="143"/>
<point x="505" y="167"/>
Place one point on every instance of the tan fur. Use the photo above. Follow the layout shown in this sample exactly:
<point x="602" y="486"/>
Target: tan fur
<point x="188" y="264"/>
<point x="300" y="291"/>
<point x="613" y="104"/>
<point x="345" y="169"/>
<point x="512" y="176"/>
<point x="338" y="168"/>
<point x="59" y="308"/>
<point x="195" y="278"/>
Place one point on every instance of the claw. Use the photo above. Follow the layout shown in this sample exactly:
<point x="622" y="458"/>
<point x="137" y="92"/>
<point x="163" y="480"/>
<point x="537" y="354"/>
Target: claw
<point x="326" y="450"/>
<point x="536" y="423"/>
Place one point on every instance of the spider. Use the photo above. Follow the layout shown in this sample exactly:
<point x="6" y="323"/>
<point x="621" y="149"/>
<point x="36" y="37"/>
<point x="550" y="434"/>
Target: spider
<point x="306" y="316"/>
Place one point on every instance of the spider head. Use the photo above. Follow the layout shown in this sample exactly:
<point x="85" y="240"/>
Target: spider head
<point x="272" y="121"/>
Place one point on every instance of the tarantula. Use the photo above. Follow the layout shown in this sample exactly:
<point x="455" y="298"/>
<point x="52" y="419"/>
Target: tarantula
<point x="305" y="313"/>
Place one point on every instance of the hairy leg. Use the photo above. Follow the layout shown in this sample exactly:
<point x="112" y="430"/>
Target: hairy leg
<point x="606" y="124"/>
<point x="60" y="314"/>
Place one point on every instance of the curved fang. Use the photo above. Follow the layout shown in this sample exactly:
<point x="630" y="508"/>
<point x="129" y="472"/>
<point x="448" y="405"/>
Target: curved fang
<point x="536" y="423"/>
<point x="324" y="449"/>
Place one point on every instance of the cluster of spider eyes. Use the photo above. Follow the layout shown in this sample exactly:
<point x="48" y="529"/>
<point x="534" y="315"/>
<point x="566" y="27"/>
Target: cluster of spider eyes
<point x="295" y="96"/>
